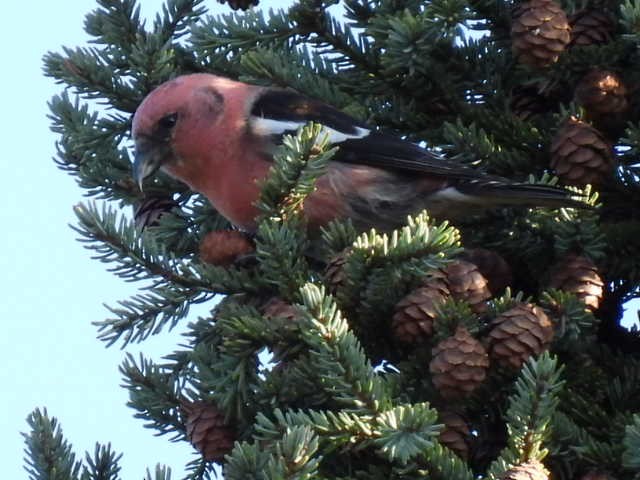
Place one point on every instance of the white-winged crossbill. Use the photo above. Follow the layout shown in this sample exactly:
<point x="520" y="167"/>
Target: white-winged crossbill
<point x="218" y="136"/>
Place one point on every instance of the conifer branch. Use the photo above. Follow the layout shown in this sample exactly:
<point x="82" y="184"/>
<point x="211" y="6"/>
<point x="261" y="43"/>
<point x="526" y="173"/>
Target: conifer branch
<point x="155" y="394"/>
<point x="103" y="465"/>
<point x="161" y="472"/>
<point x="529" y="416"/>
<point x="631" y="455"/>
<point x="47" y="453"/>
<point x="337" y="356"/>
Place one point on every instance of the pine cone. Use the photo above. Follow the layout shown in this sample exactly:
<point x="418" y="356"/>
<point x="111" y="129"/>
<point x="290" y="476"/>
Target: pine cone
<point x="148" y="212"/>
<point x="239" y="4"/>
<point x="602" y="92"/>
<point x="518" y="333"/>
<point x="466" y="283"/>
<point x="286" y="319"/>
<point x="539" y="32"/>
<point x="492" y="266"/>
<point x="459" y="365"/>
<point x="224" y="247"/>
<point x="531" y="470"/>
<point x="527" y="102"/>
<point x="579" y="275"/>
<point x="580" y="154"/>
<point x="207" y="431"/>
<point x="590" y="27"/>
<point x="278" y="308"/>
<point x="456" y="434"/>
<point x="414" y="315"/>
<point x="334" y="273"/>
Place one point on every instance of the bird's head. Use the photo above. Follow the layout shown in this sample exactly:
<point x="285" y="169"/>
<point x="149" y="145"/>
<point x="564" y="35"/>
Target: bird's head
<point x="165" y="119"/>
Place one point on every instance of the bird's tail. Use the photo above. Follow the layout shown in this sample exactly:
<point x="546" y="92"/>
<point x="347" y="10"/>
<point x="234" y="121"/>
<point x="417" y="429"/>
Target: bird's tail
<point x="495" y="192"/>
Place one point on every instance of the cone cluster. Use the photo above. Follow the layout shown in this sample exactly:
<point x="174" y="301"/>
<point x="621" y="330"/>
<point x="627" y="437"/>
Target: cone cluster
<point x="414" y="317"/>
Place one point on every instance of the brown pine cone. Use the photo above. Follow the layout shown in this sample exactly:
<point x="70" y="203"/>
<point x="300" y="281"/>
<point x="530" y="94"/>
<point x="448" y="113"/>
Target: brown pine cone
<point x="207" y="430"/>
<point x="518" y="333"/>
<point x="527" y="102"/>
<point x="466" y="283"/>
<point x="591" y="27"/>
<point x="539" y="32"/>
<point x="580" y="155"/>
<point x="459" y="365"/>
<point x="456" y="434"/>
<point x="492" y="266"/>
<point x="224" y="247"/>
<point x="602" y="92"/>
<point x="334" y="272"/>
<point x="239" y="4"/>
<point x="531" y="470"/>
<point x="286" y="318"/>
<point x="579" y="275"/>
<point x="278" y="308"/>
<point x="148" y="212"/>
<point x="415" y="314"/>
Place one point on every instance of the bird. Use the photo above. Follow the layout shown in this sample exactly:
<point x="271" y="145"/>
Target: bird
<point x="218" y="136"/>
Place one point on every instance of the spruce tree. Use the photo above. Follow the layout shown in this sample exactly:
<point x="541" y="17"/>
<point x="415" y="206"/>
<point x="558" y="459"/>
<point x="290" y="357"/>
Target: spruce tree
<point x="489" y="347"/>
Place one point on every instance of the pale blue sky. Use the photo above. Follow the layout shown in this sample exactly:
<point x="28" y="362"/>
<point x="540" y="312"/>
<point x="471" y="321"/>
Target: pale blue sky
<point x="51" y="289"/>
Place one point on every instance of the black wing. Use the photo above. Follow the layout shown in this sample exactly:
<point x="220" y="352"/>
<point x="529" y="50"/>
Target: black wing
<point x="278" y="112"/>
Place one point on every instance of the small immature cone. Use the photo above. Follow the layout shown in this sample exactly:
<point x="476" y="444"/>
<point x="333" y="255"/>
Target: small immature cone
<point x="466" y="283"/>
<point x="289" y="317"/>
<point x="456" y="434"/>
<point x="334" y="273"/>
<point x="519" y="333"/>
<point x="207" y="431"/>
<point x="602" y="92"/>
<point x="148" y="212"/>
<point x="580" y="155"/>
<point x="531" y="470"/>
<point x="539" y="32"/>
<point x="527" y="102"/>
<point x="415" y="314"/>
<point x="578" y="275"/>
<point x="492" y="266"/>
<point x="278" y="308"/>
<point x="224" y="247"/>
<point x="590" y="27"/>
<point x="459" y="365"/>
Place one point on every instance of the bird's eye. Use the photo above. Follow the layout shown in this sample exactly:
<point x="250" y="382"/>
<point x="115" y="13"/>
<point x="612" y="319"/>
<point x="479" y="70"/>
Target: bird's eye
<point x="168" y="121"/>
